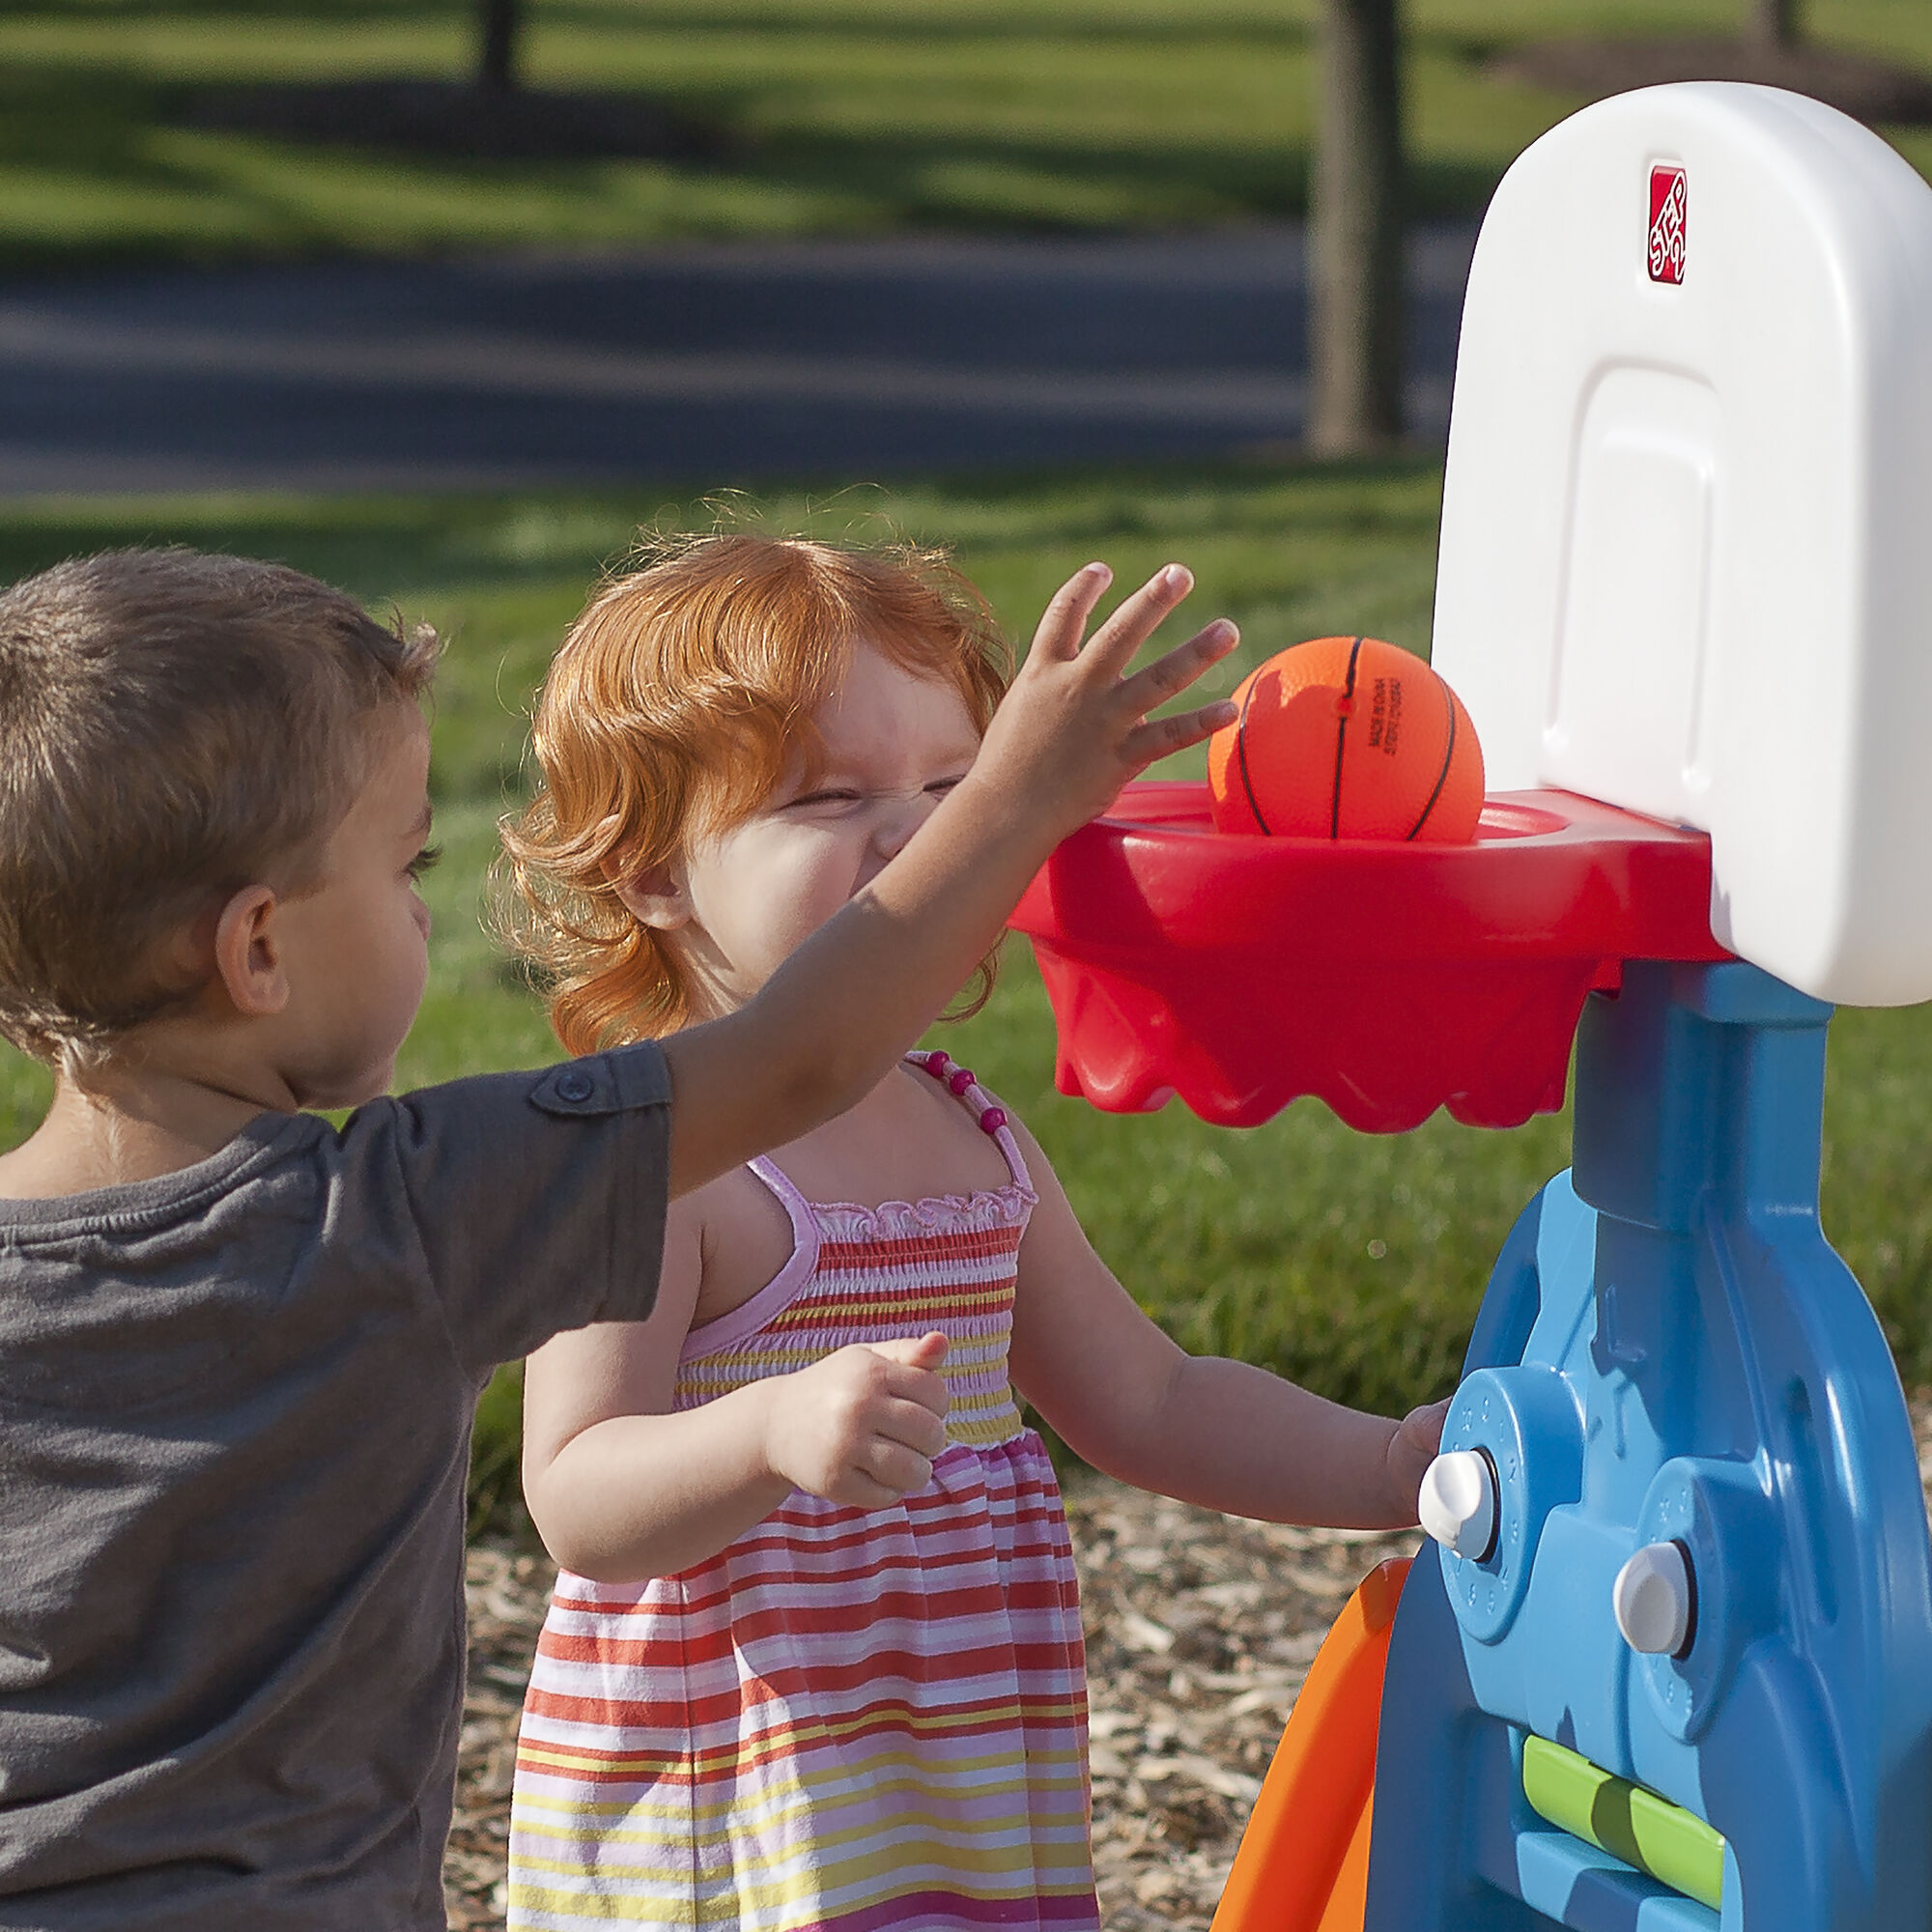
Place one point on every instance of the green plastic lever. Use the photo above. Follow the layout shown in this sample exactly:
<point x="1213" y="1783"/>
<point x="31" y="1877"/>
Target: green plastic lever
<point x="1670" y="1844"/>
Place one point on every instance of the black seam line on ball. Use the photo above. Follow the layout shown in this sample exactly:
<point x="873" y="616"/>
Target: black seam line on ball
<point x="1242" y="754"/>
<point x="1342" y="739"/>
<point x="1442" y="776"/>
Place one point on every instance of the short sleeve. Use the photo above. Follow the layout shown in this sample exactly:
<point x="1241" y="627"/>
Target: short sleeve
<point x="539" y="1198"/>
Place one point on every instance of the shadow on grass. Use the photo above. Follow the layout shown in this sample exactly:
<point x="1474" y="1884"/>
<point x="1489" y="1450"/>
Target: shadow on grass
<point x="74" y="116"/>
<point x="101" y="141"/>
<point x="104" y="161"/>
<point x="1877" y="91"/>
<point x="882" y="26"/>
<point x="87" y="130"/>
<point x="458" y="120"/>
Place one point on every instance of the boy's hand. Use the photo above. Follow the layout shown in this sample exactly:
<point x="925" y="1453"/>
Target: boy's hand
<point x="863" y="1426"/>
<point x="1072" y="729"/>
<point x="834" y="1018"/>
<point x="1414" y="1445"/>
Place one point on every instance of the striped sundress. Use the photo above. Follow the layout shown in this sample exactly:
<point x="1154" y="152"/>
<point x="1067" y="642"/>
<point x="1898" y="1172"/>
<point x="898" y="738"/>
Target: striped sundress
<point x="849" y="1719"/>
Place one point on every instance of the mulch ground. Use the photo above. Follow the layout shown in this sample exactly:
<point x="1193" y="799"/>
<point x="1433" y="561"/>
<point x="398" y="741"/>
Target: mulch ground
<point x="1199" y="1629"/>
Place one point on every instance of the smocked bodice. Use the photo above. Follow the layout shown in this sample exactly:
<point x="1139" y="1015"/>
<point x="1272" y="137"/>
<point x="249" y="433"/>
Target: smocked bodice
<point x="897" y="1270"/>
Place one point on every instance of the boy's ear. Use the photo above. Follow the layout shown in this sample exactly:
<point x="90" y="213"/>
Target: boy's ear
<point x="654" y="897"/>
<point x="247" y="959"/>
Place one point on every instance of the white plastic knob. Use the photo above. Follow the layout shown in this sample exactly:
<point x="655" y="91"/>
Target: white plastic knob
<point x="1652" y="1599"/>
<point x="1458" y="1503"/>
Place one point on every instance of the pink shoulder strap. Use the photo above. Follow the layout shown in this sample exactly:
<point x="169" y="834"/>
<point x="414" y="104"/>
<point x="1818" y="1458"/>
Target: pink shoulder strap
<point x="986" y="1110"/>
<point x="749" y="1317"/>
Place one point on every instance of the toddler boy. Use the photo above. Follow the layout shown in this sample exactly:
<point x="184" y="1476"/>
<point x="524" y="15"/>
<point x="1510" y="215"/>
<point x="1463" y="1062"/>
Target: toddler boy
<point x="239" y="1347"/>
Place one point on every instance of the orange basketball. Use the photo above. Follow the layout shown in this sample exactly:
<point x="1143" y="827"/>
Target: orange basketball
<point x="1346" y="738"/>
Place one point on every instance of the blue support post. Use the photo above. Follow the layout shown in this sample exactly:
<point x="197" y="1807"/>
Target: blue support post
<point x="1670" y="1354"/>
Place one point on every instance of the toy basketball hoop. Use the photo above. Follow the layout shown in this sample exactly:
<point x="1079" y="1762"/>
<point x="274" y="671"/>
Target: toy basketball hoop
<point x="1389" y="979"/>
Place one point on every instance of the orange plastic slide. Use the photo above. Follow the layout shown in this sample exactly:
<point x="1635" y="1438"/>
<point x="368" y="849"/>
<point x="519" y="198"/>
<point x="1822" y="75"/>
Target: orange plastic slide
<point x="1303" y="1865"/>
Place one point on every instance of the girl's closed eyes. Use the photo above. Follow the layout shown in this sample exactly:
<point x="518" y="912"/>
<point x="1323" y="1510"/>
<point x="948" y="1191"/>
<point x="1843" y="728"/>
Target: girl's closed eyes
<point x="843" y="795"/>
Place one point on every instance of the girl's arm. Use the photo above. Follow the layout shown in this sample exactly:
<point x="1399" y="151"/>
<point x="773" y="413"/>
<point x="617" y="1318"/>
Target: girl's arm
<point x="831" y="1021"/>
<point x="1201" y="1429"/>
<point x="621" y="1490"/>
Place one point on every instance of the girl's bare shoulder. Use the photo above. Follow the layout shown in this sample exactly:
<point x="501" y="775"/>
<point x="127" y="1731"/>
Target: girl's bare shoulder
<point x="910" y="1139"/>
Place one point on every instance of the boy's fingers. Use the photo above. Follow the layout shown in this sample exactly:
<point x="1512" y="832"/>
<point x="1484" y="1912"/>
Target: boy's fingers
<point x="1169" y="676"/>
<point x="1064" y="622"/>
<point x="1168" y="735"/>
<point x="1114" y="645"/>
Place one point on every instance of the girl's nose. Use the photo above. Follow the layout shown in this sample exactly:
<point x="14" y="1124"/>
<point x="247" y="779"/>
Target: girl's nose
<point x="898" y="819"/>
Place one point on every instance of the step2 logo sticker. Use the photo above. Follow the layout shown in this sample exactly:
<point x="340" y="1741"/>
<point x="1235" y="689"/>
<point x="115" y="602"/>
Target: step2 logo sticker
<point x="1670" y="210"/>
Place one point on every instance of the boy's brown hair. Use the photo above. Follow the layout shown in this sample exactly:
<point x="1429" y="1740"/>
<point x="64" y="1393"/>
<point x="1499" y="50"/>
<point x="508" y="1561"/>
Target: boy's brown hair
<point x="173" y="726"/>
<point x="677" y="698"/>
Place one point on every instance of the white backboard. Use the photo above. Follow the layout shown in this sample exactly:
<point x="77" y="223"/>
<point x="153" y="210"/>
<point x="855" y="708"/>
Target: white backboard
<point x="1687" y="529"/>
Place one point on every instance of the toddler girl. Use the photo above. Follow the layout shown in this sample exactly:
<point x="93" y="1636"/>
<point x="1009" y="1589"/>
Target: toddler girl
<point x="815" y="1657"/>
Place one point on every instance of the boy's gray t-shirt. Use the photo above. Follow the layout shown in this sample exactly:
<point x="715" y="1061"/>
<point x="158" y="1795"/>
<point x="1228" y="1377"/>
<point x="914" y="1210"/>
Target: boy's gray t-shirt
<point x="234" y="1413"/>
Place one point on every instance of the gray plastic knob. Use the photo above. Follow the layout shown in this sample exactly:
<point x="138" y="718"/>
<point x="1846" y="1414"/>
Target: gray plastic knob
<point x="1652" y="1600"/>
<point x="1458" y="1503"/>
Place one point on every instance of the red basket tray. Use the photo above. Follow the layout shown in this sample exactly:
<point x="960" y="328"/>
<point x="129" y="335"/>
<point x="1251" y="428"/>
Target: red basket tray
<point x="1390" y="979"/>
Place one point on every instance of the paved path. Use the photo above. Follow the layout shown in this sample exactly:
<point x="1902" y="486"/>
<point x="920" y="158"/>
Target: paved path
<point x="702" y="364"/>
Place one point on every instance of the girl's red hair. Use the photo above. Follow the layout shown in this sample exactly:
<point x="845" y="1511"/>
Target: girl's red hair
<point x="680" y="695"/>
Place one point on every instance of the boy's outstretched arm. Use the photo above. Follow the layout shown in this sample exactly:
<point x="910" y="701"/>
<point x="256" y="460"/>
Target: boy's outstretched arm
<point x="831" y="1022"/>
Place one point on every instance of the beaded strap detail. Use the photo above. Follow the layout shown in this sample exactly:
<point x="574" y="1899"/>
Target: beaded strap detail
<point x="959" y="1081"/>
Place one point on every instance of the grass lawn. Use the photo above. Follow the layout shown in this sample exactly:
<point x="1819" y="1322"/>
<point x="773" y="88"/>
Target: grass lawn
<point x="863" y="114"/>
<point x="1354" y="1263"/>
